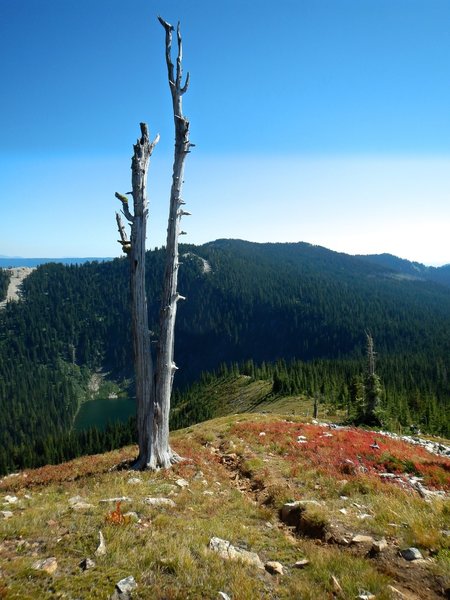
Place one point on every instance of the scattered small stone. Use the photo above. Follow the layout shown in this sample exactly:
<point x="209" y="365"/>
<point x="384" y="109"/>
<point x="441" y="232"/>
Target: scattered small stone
<point x="262" y="434"/>
<point x="411" y="554"/>
<point x="101" y="548"/>
<point x="446" y="532"/>
<point x="365" y="596"/>
<point x="274" y="567"/>
<point x="343" y="511"/>
<point x="127" y="584"/>
<point x="115" y="500"/>
<point x="363" y="516"/>
<point x="223" y="596"/>
<point x="11" y="499"/>
<point x="362" y="539"/>
<point x="182" y="483"/>
<point x="86" y="564"/>
<point x="301" y="564"/>
<point x="124" y="588"/>
<point x="226" y="550"/>
<point x="49" y="565"/>
<point x="375" y="446"/>
<point x="379" y="546"/>
<point x="208" y="493"/>
<point x="268" y="524"/>
<point x="134" y="481"/>
<point x="199" y="475"/>
<point x="6" y="514"/>
<point x="159" y="502"/>
<point x="79" y="503"/>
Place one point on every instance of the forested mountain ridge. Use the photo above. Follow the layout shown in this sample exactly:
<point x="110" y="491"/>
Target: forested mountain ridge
<point x="411" y="269"/>
<point x="258" y="302"/>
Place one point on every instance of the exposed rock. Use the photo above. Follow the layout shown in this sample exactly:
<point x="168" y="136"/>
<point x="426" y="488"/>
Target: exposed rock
<point x="182" y="483"/>
<point x="115" y="500"/>
<point x="274" y="567"/>
<point x="411" y="554"/>
<point x="81" y="506"/>
<point x="79" y="503"/>
<point x="301" y="564"/>
<point x="159" y="502"/>
<point x="379" y="546"/>
<point x="124" y="588"/>
<point x="126" y="585"/>
<point x="49" y="565"/>
<point x="86" y="564"/>
<point x="134" y="481"/>
<point x="6" y="514"/>
<point x="11" y="499"/>
<point x="101" y="548"/>
<point x="362" y="539"/>
<point x="226" y="550"/>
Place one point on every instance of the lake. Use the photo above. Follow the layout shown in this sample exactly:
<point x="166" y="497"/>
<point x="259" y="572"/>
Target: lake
<point x="101" y="411"/>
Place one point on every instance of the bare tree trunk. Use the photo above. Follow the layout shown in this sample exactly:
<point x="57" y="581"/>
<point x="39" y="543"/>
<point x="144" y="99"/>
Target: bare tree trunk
<point x="161" y="454"/>
<point x="136" y="251"/>
<point x="153" y="391"/>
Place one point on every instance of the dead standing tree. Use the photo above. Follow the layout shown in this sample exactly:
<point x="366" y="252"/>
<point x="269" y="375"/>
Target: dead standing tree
<point x="154" y="387"/>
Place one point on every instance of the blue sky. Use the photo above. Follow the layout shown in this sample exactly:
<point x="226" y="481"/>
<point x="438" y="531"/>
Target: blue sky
<point x="324" y="121"/>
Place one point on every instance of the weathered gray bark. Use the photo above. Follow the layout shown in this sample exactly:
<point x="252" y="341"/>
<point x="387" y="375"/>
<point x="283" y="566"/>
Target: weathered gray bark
<point x="161" y="453"/>
<point x="153" y="390"/>
<point x="139" y="317"/>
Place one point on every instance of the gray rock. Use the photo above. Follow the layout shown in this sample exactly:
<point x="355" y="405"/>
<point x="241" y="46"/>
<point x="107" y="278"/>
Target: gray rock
<point x="159" y="502"/>
<point x="362" y="539"/>
<point x="134" y="481"/>
<point x="6" y="514"/>
<point x="86" y="564"/>
<point x="274" y="567"/>
<point x="11" y="499"/>
<point x="118" y="499"/>
<point x="126" y="585"/>
<point x="182" y="483"/>
<point x="379" y="546"/>
<point x="411" y="554"/>
<point x="49" y="565"/>
<point x="101" y="548"/>
<point x="301" y="564"/>
<point x="226" y="550"/>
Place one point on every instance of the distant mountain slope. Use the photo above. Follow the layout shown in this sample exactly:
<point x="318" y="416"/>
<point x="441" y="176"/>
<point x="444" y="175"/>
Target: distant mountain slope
<point x="259" y="302"/>
<point x="410" y="269"/>
<point x="7" y="262"/>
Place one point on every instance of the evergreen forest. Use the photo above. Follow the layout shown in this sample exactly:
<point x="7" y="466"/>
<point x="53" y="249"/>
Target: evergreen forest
<point x="294" y="314"/>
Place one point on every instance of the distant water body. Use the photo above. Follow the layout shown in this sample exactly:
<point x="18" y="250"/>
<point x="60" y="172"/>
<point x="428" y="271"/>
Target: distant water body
<point x="7" y="262"/>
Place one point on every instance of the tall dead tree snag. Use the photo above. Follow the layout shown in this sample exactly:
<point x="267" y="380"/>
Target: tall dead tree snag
<point x="154" y="387"/>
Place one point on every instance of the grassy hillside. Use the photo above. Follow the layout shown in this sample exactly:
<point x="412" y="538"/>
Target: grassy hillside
<point x="238" y="473"/>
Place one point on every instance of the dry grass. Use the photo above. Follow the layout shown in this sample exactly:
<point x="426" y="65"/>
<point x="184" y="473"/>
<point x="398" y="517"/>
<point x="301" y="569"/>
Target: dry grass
<point x="238" y="479"/>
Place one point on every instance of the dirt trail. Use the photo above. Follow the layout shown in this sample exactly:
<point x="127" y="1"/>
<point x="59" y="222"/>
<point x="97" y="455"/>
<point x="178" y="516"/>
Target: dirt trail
<point x="18" y="274"/>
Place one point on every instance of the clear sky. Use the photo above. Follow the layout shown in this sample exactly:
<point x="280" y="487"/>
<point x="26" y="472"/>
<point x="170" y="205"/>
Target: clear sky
<point x="325" y="121"/>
